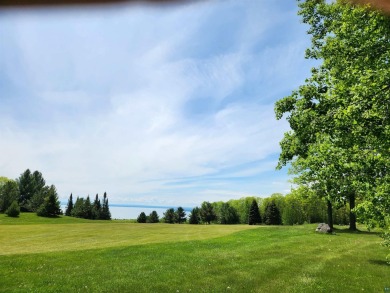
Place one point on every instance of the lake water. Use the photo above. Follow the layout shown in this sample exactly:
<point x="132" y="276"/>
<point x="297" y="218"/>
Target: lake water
<point x="132" y="212"/>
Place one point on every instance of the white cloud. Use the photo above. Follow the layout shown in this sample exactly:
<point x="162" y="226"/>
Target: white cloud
<point x="111" y="103"/>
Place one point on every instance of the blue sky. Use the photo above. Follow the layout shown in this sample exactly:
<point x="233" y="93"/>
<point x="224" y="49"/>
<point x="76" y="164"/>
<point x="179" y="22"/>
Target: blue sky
<point x="161" y="105"/>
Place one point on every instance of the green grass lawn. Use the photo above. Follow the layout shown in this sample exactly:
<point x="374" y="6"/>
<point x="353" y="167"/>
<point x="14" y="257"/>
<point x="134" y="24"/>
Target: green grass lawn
<point x="85" y="256"/>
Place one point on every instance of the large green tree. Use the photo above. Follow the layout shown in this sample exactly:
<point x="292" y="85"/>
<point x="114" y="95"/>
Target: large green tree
<point x="272" y="214"/>
<point x="180" y="215"/>
<point x="207" y="213"/>
<point x="142" y="218"/>
<point x="254" y="214"/>
<point x="228" y="214"/>
<point x="33" y="190"/>
<point x="51" y="204"/>
<point x="170" y="216"/>
<point x="153" y="217"/>
<point x="194" y="216"/>
<point x="9" y="192"/>
<point x="344" y="103"/>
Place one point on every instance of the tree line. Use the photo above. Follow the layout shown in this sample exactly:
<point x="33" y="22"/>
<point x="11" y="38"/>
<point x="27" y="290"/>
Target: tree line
<point x="300" y="206"/>
<point x="84" y="208"/>
<point x="29" y="193"/>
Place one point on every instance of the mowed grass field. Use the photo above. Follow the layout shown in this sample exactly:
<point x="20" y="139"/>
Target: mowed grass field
<point x="74" y="255"/>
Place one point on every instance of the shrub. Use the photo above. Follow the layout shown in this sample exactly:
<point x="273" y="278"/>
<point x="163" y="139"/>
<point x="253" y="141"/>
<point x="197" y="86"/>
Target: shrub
<point x="13" y="210"/>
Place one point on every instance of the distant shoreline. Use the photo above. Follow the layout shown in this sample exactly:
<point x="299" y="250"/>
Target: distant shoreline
<point x="141" y="206"/>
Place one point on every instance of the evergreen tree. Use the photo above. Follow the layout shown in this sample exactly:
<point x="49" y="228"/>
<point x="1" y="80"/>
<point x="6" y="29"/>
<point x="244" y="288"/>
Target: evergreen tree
<point x="78" y="209"/>
<point x="141" y="218"/>
<point x="180" y="215"/>
<point x="51" y="204"/>
<point x="26" y="189"/>
<point x="194" y="216"/>
<point x="105" y="213"/>
<point x="170" y="216"/>
<point x="37" y="181"/>
<point x="254" y="214"/>
<point x="207" y="213"/>
<point x="96" y="208"/>
<point x="32" y="190"/>
<point x="38" y="198"/>
<point x="87" y="208"/>
<point x="13" y="210"/>
<point x="272" y="214"/>
<point x="69" y="207"/>
<point x="228" y="214"/>
<point x="153" y="217"/>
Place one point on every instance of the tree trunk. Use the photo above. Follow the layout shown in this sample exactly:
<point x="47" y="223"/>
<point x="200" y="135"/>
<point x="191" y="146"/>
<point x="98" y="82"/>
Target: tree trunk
<point x="330" y="214"/>
<point x="352" y="216"/>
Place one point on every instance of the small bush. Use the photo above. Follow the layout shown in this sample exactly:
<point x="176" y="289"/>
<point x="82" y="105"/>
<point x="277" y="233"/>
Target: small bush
<point x="13" y="210"/>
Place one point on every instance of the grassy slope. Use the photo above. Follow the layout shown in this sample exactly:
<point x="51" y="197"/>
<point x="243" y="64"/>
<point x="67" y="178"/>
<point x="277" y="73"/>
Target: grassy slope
<point x="264" y="259"/>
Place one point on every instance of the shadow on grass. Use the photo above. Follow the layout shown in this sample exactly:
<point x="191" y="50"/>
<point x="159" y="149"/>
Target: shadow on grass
<point x="379" y="262"/>
<point x="347" y="231"/>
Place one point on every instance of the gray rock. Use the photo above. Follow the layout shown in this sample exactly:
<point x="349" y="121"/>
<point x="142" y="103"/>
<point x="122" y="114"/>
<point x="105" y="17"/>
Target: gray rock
<point x="323" y="228"/>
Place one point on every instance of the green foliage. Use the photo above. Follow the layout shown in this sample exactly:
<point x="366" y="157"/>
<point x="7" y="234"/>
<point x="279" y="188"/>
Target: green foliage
<point x="272" y="213"/>
<point x="51" y="204"/>
<point x="69" y="207"/>
<point x="242" y="207"/>
<point x="37" y="199"/>
<point x="9" y="192"/>
<point x="293" y="212"/>
<point x="180" y="215"/>
<point x="141" y="218"/>
<point x="78" y="210"/>
<point x="170" y="216"/>
<point x="254" y="214"/>
<point x="32" y="190"/>
<point x="153" y="217"/>
<point x="228" y="214"/>
<point x="194" y="216"/>
<point x="3" y="180"/>
<point x="340" y="139"/>
<point x="87" y="208"/>
<point x="83" y="208"/>
<point x="207" y="213"/>
<point x="13" y="210"/>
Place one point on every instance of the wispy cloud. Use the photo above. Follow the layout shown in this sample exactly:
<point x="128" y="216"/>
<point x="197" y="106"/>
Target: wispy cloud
<point x="152" y="105"/>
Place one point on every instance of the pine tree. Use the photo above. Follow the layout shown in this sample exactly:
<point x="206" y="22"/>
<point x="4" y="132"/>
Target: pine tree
<point x="69" y="207"/>
<point x="87" y="208"/>
<point x="26" y="189"/>
<point x="96" y="208"/>
<point x="141" y="218"/>
<point x="105" y="213"/>
<point x="180" y="215"/>
<point x="272" y="214"/>
<point x="153" y="217"/>
<point x="51" y="204"/>
<point x="194" y="216"/>
<point x="170" y="216"/>
<point x="207" y="213"/>
<point x="254" y="214"/>
<point x="78" y="209"/>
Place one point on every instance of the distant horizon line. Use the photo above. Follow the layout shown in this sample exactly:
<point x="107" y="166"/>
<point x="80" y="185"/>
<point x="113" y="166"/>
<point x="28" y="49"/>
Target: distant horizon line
<point x="142" y="206"/>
